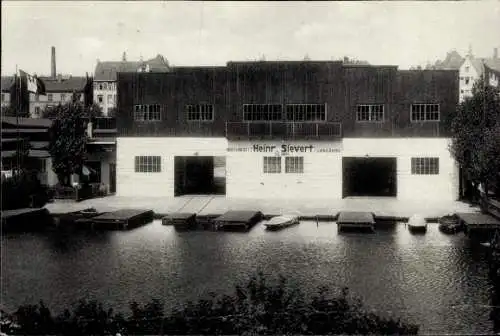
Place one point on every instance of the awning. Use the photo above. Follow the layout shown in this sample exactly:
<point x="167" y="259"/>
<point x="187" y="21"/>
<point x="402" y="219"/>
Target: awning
<point x="6" y="154"/>
<point x="24" y="130"/>
<point x="36" y="153"/>
<point x="39" y="153"/>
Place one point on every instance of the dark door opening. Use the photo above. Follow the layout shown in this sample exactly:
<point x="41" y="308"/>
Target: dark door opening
<point x="199" y="175"/>
<point x="112" y="177"/>
<point x="369" y="176"/>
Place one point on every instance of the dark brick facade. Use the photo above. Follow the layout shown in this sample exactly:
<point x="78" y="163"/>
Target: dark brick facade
<point x="340" y="87"/>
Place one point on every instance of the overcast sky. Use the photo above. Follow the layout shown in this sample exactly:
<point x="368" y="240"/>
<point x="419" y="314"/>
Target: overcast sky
<point x="210" y="33"/>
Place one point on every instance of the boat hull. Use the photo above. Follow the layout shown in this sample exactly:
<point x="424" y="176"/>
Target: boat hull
<point x="417" y="229"/>
<point x="276" y="227"/>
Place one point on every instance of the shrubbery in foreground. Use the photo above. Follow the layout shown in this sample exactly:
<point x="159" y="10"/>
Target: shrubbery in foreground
<point x="257" y="308"/>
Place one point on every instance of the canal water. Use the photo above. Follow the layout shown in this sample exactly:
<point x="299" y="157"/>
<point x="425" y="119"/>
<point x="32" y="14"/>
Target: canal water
<point x="437" y="281"/>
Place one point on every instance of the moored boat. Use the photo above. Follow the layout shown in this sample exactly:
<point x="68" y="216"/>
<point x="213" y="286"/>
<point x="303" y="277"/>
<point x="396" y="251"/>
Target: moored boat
<point x="450" y="224"/>
<point x="281" y="222"/>
<point x="417" y="223"/>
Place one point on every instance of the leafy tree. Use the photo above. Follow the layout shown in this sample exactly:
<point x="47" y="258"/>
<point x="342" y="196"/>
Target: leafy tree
<point x="68" y="137"/>
<point x="476" y="135"/>
<point x="9" y="111"/>
<point x="112" y="112"/>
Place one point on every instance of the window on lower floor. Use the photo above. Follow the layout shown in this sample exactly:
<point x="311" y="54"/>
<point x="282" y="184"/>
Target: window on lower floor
<point x="50" y="97"/>
<point x="370" y="112"/>
<point x="294" y="165"/>
<point x="306" y="112"/>
<point x="148" y="164"/>
<point x="38" y="111"/>
<point x="110" y="99"/>
<point x="148" y="112"/>
<point x="425" y="112"/>
<point x="262" y="112"/>
<point x="100" y="99"/>
<point x="272" y="164"/>
<point x="425" y="166"/>
<point x="200" y="112"/>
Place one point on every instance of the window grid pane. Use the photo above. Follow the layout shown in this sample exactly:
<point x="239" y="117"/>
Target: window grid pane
<point x="294" y="165"/>
<point x="370" y="113"/>
<point x="425" y="166"/>
<point x="151" y="112"/>
<point x="425" y="112"/>
<point x="272" y="165"/>
<point x="306" y="112"/>
<point x="262" y="112"/>
<point x="200" y="112"/>
<point x="147" y="164"/>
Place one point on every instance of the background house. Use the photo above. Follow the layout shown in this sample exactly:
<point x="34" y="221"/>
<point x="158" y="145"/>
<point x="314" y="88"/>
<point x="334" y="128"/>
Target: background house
<point x="105" y="77"/>
<point x="474" y="67"/>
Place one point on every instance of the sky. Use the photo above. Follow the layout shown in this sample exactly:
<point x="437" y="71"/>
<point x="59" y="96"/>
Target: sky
<point x="404" y="33"/>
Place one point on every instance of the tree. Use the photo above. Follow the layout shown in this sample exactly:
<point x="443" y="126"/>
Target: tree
<point x="476" y="135"/>
<point x="8" y="111"/>
<point x="68" y="137"/>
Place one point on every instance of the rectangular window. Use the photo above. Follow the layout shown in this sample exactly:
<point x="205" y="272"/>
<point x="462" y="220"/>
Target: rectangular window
<point x="370" y="113"/>
<point x="100" y="99"/>
<point x="37" y="111"/>
<point x="63" y="97"/>
<point x="425" y="112"/>
<point x="110" y="99"/>
<point x="425" y="166"/>
<point x="272" y="164"/>
<point x="294" y="165"/>
<point x="50" y="97"/>
<point x="262" y="112"/>
<point x="3" y="97"/>
<point x="148" y="164"/>
<point x="200" y="112"/>
<point x="149" y="112"/>
<point x="306" y="112"/>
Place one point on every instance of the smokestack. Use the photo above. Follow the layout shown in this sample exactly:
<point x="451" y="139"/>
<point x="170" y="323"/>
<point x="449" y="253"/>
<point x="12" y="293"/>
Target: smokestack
<point x="495" y="53"/>
<point x="53" y="63"/>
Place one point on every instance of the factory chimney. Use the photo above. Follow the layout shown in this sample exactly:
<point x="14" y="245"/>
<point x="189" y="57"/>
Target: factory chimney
<point x="53" y="63"/>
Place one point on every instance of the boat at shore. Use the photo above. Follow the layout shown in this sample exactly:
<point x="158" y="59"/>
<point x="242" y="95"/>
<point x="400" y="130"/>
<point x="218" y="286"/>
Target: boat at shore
<point x="417" y="224"/>
<point x="281" y="222"/>
<point x="450" y="224"/>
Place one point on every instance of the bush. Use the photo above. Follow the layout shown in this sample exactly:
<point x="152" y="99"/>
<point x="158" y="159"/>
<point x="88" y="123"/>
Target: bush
<point x="23" y="190"/>
<point x="257" y="308"/>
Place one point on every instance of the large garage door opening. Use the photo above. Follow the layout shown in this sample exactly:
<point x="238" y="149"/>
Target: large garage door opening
<point x="200" y="175"/>
<point x="369" y="176"/>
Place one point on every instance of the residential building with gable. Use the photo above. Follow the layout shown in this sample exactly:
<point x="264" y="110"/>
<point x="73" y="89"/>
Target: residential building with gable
<point x="105" y="77"/>
<point x="473" y="68"/>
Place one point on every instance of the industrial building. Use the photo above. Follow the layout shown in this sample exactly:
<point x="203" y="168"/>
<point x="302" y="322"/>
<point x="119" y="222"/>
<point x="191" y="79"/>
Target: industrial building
<point x="308" y="129"/>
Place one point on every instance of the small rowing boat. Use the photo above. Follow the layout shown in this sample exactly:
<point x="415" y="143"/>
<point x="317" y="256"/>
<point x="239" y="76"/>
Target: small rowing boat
<point x="281" y="222"/>
<point x="417" y="223"/>
<point x="449" y="224"/>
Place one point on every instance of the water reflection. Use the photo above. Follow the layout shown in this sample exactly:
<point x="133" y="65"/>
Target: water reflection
<point x="438" y="281"/>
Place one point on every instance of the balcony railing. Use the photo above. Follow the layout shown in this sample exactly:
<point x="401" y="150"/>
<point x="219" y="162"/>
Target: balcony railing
<point x="104" y="123"/>
<point x="283" y="130"/>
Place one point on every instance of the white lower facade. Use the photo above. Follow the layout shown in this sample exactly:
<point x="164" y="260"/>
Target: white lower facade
<point x="320" y="173"/>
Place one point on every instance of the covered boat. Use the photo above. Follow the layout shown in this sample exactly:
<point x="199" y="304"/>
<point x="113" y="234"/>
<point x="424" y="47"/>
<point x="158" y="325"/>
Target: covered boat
<point x="417" y="223"/>
<point x="280" y="222"/>
<point x="450" y="224"/>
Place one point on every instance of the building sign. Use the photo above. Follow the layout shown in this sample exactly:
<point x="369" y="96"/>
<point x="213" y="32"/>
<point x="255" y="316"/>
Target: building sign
<point x="284" y="149"/>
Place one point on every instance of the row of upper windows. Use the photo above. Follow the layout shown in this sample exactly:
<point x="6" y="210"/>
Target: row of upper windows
<point x="105" y="86"/>
<point x="293" y="165"/>
<point x="293" y="112"/>
<point x="49" y="97"/>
